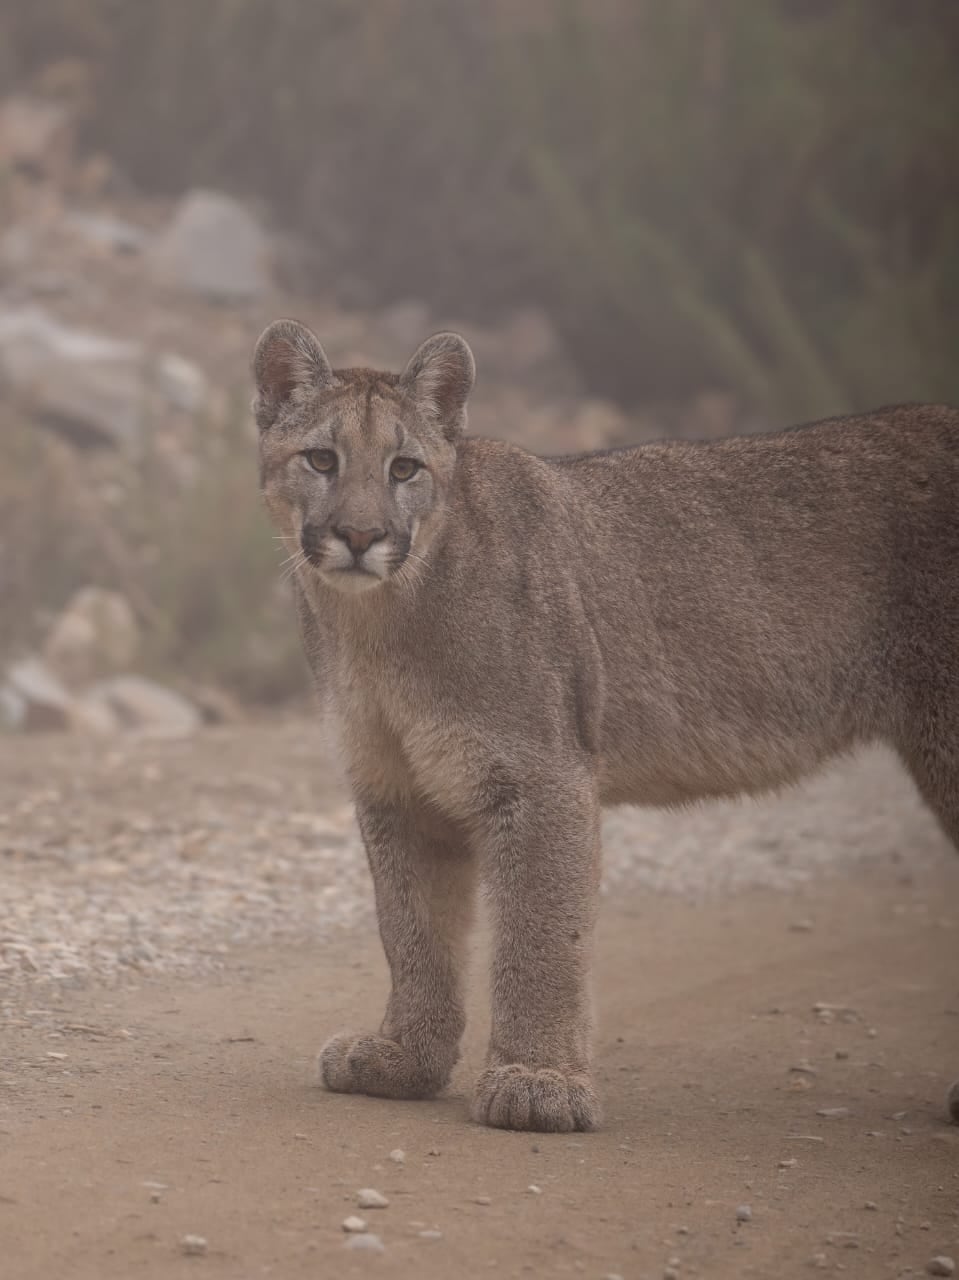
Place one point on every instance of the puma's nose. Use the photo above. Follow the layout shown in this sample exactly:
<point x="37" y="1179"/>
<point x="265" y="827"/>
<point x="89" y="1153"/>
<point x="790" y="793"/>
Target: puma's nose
<point x="359" y="540"/>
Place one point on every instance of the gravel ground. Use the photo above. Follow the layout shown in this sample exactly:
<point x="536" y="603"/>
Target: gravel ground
<point x="160" y="857"/>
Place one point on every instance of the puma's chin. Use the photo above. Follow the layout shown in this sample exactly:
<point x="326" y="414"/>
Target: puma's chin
<point x="351" y="582"/>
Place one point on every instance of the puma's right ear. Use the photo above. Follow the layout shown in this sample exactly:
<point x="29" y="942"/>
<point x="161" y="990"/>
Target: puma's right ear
<point x="287" y="356"/>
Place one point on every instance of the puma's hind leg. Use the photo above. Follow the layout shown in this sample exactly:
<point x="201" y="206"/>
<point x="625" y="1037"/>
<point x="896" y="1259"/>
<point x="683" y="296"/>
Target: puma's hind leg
<point x="931" y="754"/>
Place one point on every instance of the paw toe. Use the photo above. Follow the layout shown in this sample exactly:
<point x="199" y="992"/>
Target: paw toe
<point x="376" y="1065"/>
<point x="545" y="1101"/>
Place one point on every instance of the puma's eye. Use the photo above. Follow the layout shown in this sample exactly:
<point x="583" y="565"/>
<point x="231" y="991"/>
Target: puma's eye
<point x="322" y="460"/>
<point x="404" y="468"/>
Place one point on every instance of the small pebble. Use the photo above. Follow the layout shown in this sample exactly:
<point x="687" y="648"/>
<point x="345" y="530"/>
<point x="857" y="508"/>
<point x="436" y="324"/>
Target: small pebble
<point x="398" y="1156"/>
<point x="788" y="1164"/>
<point x="832" y="1113"/>
<point x="537" y="1191"/>
<point x="353" y="1223"/>
<point x="430" y="1234"/>
<point x="155" y="1197"/>
<point x="802" y="926"/>
<point x="482" y="1200"/>
<point x="941" y="1266"/>
<point x="368" y="1241"/>
<point x="871" y="1204"/>
<point x="433" y="1151"/>
<point x="744" y="1213"/>
<point x="368" y="1198"/>
<point x="193" y="1246"/>
<point x="804" y="1067"/>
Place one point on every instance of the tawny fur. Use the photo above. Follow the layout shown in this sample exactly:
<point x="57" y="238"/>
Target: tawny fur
<point x="528" y="639"/>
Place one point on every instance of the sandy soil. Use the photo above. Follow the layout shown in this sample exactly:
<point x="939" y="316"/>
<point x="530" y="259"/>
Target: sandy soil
<point x="136" y="1112"/>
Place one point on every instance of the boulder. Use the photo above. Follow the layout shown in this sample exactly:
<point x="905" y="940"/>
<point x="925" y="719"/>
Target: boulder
<point x="95" y="635"/>
<point x="181" y="383"/>
<point x="33" y="698"/>
<point x="146" y="707"/>
<point x="213" y="247"/>
<point x="104" y="232"/>
<point x="36" y="135"/>
<point x="88" y="385"/>
<point x="94" y="388"/>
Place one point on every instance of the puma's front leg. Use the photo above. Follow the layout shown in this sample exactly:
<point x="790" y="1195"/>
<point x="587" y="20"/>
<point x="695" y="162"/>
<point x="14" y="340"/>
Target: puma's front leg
<point x="542" y="867"/>
<point x="423" y="876"/>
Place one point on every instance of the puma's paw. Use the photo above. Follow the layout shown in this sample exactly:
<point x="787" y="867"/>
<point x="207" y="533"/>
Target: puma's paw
<point x="516" y="1097"/>
<point x="378" y="1066"/>
<point x="953" y="1101"/>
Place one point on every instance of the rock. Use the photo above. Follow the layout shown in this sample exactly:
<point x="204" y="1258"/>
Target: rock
<point x="213" y="247"/>
<point x="94" y="388"/>
<point x="833" y="1113"/>
<point x="366" y="1241"/>
<point x="942" y="1265"/>
<point x="36" y="135"/>
<point x="105" y="232"/>
<point x="34" y="697"/>
<point x="368" y="1198"/>
<point x="89" y="714"/>
<point x="13" y="708"/>
<point x="353" y="1223"/>
<point x="398" y="1156"/>
<point x="744" y="1213"/>
<point x="533" y="1189"/>
<point x="193" y="1246"/>
<point x="95" y="635"/>
<point x="181" y="383"/>
<point x="90" y="386"/>
<point x="147" y="707"/>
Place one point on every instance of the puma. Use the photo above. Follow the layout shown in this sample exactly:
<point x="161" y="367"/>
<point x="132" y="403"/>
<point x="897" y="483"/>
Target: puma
<point x="511" y="642"/>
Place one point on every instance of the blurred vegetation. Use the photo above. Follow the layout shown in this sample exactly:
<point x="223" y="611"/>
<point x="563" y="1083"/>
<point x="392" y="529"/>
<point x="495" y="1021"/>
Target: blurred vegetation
<point x="192" y="553"/>
<point x="761" y="195"/>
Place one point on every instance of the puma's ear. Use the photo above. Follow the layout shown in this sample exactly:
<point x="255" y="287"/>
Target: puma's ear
<point x="441" y="375"/>
<point x="287" y="357"/>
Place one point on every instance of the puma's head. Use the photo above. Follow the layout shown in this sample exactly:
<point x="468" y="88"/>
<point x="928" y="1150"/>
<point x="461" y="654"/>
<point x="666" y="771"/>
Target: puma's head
<point x="355" y="465"/>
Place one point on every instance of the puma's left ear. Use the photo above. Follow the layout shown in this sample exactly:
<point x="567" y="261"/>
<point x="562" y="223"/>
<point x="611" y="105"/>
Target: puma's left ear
<point x="441" y="376"/>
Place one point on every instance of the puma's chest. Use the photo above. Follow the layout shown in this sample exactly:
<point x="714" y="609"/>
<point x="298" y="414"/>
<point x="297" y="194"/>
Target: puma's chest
<point x="401" y="740"/>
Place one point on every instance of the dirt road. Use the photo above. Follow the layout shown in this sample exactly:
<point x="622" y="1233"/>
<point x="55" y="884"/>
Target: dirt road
<point x="138" y="1110"/>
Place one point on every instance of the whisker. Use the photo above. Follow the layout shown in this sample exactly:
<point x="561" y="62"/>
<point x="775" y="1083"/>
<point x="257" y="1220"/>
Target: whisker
<point x="298" y="560"/>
